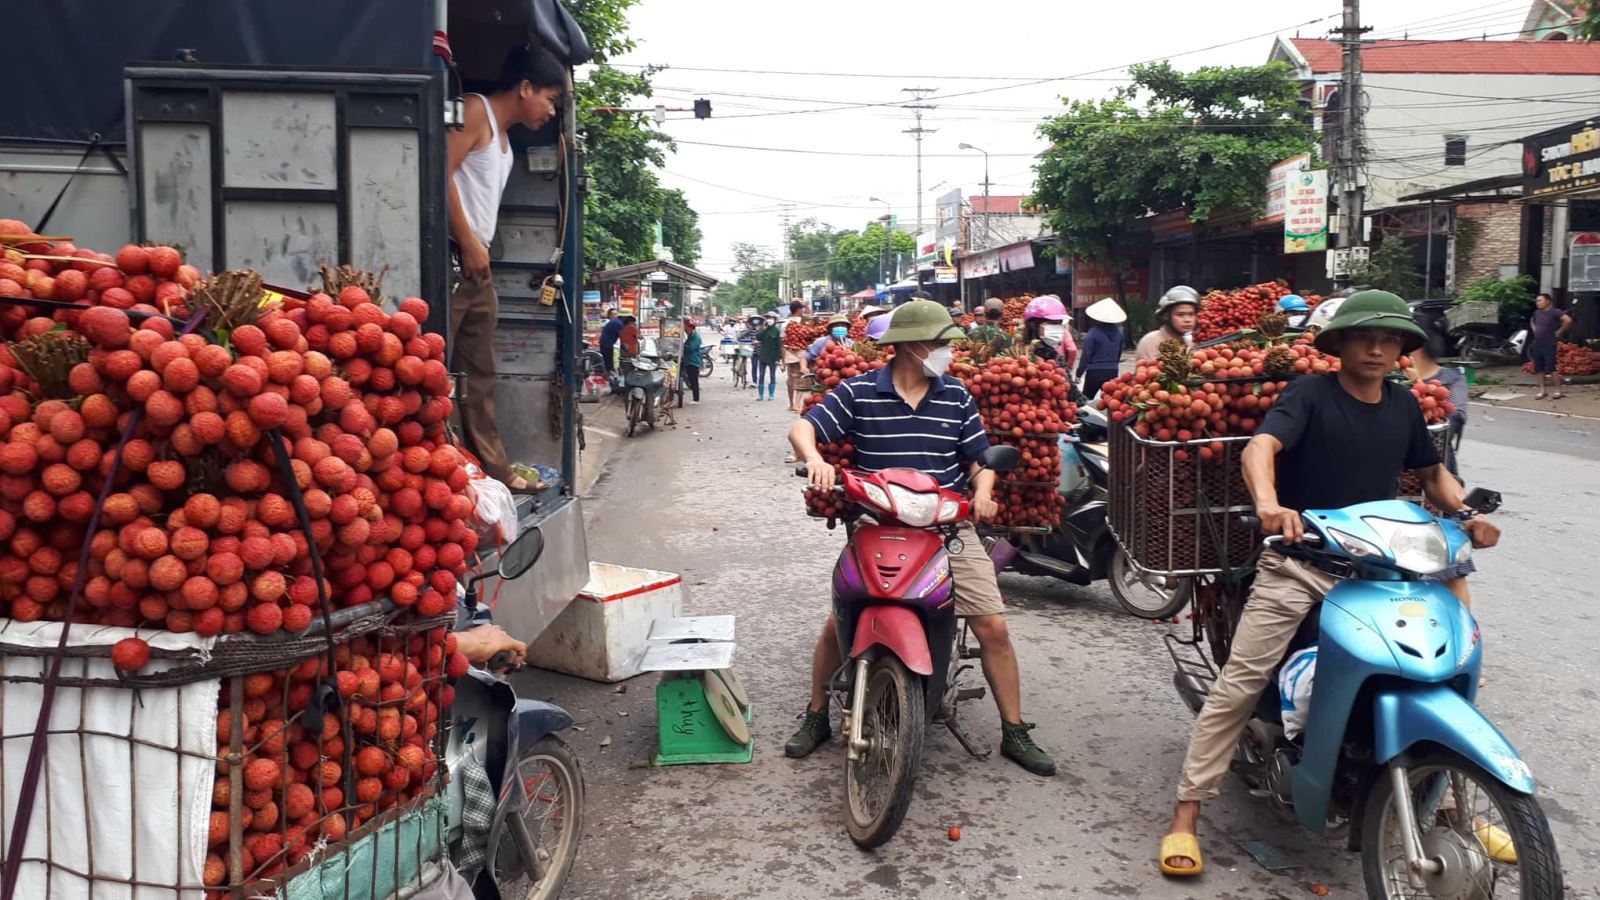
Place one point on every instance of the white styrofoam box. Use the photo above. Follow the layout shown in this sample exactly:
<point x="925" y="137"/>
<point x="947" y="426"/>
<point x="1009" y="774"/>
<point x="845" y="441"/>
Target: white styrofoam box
<point x="106" y="805"/>
<point x="602" y="634"/>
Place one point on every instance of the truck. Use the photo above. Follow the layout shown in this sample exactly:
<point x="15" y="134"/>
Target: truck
<point x="280" y="138"/>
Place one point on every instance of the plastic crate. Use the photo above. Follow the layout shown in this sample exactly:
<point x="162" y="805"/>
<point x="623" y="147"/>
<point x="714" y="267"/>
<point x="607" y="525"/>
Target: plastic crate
<point x="1473" y="312"/>
<point x="1179" y="514"/>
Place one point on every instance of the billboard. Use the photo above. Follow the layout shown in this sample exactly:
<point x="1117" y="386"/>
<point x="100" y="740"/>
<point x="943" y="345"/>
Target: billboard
<point x="1277" y="187"/>
<point x="1305" y="217"/>
<point x="1561" y="160"/>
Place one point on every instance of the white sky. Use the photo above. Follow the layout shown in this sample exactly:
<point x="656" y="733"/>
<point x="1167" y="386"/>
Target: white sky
<point x="953" y="47"/>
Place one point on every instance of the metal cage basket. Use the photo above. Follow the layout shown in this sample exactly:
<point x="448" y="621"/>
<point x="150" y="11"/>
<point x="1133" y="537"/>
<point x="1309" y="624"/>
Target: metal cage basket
<point x="1176" y="512"/>
<point x="1473" y="312"/>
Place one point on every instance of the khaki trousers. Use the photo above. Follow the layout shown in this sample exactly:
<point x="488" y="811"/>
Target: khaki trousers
<point x="1284" y="593"/>
<point x="474" y="313"/>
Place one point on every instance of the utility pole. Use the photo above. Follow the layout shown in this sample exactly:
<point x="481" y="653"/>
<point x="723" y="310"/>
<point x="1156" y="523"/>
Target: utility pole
<point x="917" y="106"/>
<point x="784" y="282"/>
<point x="1349" y="148"/>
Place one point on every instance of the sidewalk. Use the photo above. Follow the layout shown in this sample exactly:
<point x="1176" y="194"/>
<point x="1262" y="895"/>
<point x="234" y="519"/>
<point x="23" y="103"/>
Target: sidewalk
<point x="1516" y="389"/>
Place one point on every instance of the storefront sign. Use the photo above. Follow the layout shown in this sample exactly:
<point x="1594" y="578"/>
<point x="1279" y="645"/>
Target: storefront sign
<point x="1305" y="218"/>
<point x="1561" y="160"/>
<point x="1017" y="256"/>
<point x="980" y="265"/>
<point x="1090" y="283"/>
<point x="927" y="251"/>
<point x="628" y="303"/>
<point x="1278" y="186"/>
<point x="946" y="275"/>
<point x="1171" y="226"/>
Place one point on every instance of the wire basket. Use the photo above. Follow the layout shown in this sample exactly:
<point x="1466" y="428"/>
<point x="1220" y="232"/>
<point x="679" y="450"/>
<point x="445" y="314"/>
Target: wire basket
<point x="1410" y="486"/>
<point x="144" y="792"/>
<point x="1473" y="312"/>
<point x="1175" y="511"/>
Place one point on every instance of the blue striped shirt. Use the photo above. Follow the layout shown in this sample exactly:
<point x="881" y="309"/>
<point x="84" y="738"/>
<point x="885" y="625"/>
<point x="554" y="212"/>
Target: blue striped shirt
<point x="941" y="437"/>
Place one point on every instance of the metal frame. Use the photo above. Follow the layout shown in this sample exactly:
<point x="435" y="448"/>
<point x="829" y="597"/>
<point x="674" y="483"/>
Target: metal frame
<point x="145" y="86"/>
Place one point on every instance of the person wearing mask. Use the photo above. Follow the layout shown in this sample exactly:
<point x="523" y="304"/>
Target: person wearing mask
<point x="1175" y="318"/>
<point x="1044" y="331"/>
<point x="527" y="93"/>
<point x="911" y="414"/>
<point x="1102" y="346"/>
<point x="693" y="349"/>
<point x="1547" y="323"/>
<point x="838" y="333"/>
<point x="608" y="340"/>
<point x="769" y="355"/>
<point x="991" y="332"/>
<point x="1295" y="307"/>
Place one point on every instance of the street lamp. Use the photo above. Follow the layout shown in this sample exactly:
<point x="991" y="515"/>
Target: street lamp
<point x="987" y="236"/>
<point x="888" y="217"/>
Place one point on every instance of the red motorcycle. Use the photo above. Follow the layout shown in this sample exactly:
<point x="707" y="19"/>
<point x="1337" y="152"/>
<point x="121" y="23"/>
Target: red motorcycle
<point x="894" y="604"/>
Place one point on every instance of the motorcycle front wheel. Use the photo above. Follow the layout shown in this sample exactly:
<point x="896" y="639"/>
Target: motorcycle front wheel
<point x="635" y="409"/>
<point x="878" y="783"/>
<point x="1148" y="597"/>
<point x="1463" y="816"/>
<point x="539" y="846"/>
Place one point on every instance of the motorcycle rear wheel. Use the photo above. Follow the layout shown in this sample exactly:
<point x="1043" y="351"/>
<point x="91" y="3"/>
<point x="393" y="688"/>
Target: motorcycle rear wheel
<point x="1139" y="597"/>
<point x="878" y="784"/>
<point x="1469" y="871"/>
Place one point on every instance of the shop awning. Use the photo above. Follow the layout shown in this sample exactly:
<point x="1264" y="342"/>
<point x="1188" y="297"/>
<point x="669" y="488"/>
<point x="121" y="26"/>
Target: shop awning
<point x="1495" y="189"/>
<point x="864" y="294"/>
<point x="642" y="270"/>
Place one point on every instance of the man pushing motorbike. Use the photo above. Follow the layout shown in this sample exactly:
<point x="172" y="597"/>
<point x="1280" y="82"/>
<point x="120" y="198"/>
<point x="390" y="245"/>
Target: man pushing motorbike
<point x="1331" y="441"/>
<point x="909" y="414"/>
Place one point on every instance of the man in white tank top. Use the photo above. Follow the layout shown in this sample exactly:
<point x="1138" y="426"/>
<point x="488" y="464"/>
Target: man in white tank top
<point x="527" y="93"/>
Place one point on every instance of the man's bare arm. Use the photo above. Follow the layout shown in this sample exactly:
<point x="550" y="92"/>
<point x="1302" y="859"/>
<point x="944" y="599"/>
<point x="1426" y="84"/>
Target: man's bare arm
<point x="1260" y="464"/>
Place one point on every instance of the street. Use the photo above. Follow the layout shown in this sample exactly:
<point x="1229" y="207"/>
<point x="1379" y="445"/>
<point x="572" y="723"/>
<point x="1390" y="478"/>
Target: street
<point x="714" y="501"/>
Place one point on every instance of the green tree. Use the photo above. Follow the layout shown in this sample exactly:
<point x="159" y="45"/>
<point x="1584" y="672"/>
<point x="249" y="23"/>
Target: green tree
<point x="1201" y="141"/>
<point x="623" y="153"/>
<point x="1588" y="14"/>
<point x="811" y="247"/>
<point x="1514" y="296"/>
<point x="1392" y="267"/>
<point x="757" y="283"/>
<point x="862" y="258"/>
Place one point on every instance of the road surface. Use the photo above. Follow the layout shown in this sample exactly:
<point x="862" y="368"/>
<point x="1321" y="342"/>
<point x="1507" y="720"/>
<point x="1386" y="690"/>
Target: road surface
<point x="714" y="500"/>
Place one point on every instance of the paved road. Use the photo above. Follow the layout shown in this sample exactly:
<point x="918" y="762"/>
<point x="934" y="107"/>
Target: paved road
<point x="714" y="501"/>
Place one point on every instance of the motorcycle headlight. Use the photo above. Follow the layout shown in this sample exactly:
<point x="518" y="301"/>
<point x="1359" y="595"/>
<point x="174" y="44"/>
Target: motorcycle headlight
<point x="1415" y="547"/>
<point x="1356" y="546"/>
<point x="875" y="494"/>
<point x="912" y="508"/>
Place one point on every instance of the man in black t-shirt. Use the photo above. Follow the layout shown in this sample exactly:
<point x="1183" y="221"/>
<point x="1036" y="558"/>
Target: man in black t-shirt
<point x="1330" y="441"/>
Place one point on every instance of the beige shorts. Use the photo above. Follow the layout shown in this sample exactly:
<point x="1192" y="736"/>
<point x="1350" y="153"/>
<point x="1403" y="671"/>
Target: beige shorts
<point x="977" y="588"/>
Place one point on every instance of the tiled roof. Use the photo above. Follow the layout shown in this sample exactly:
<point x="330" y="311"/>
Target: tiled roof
<point x="1459" y="57"/>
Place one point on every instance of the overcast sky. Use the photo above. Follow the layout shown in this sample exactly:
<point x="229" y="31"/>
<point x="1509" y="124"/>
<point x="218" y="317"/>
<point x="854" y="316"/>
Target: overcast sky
<point x="810" y="62"/>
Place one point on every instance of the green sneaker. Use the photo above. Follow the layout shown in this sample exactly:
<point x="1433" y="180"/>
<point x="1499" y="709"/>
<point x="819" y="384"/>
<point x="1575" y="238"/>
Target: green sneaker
<point x="814" y="731"/>
<point x="1017" y="746"/>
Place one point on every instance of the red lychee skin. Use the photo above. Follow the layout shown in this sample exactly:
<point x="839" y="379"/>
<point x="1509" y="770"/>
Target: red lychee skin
<point x="212" y="360"/>
<point x="351" y="296"/>
<point x="264" y="618"/>
<point x="130" y="654"/>
<point x="133" y="260"/>
<point x="164" y="261"/>
<point x="261" y="774"/>
<point x="241" y="380"/>
<point x="105" y="327"/>
<point x="268" y="410"/>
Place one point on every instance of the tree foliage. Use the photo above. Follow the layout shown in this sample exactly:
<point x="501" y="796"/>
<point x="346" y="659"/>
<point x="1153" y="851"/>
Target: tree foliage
<point x="1392" y="267"/>
<point x="860" y="258"/>
<point x="811" y="248"/>
<point x="1201" y="141"/>
<point x="757" y="283"/>
<point x="1587" y="12"/>
<point x="623" y="153"/>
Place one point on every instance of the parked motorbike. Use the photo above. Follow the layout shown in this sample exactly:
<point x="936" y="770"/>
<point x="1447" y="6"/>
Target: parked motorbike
<point x="894" y="606"/>
<point x="1477" y="341"/>
<point x="644" y="377"/>
<point x="535" y="778"/>
<point x="1395" y="758"/>
<point x="1082" y="550"/>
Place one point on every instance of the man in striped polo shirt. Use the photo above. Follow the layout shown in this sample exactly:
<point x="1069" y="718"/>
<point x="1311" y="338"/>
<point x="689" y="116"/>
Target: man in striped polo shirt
<point x="911" y="415"/>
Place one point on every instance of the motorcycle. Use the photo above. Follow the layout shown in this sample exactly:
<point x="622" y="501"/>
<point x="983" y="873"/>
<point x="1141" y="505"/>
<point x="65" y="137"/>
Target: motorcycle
<point x="1479" y="341"/>
<point x="1082" y="549"/>
<point x="1395" y="758"/>
<point x="894" y="606"/>
<point x="537" y="785"/>
<point x="644" y="377"/>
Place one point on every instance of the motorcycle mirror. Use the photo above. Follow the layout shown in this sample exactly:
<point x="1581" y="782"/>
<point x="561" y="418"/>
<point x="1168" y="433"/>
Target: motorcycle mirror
<point x="1483" y="500"/>
<point x="520" y="556"/>
<point x="1000" y="458"/>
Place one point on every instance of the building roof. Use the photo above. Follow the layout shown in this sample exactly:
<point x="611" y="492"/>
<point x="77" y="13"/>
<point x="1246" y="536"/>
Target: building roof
<point x="1008" y="204"/>
<point x="645" y="269"/>
<point x="1457" y="57"/>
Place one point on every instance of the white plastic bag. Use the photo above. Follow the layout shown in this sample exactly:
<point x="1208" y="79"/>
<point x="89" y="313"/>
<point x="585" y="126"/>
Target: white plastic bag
<point x="495" y="505"/>
<point x="1294" y="690"/>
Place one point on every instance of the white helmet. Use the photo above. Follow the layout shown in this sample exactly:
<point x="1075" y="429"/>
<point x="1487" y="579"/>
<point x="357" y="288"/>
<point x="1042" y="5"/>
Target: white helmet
<point x="1323" y="313"/>
<point x="1176" y="296"/>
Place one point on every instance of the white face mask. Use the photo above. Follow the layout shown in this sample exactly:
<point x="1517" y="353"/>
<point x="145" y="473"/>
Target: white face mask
<point x="1052" y="334"/>
<point x="937" y="361"/>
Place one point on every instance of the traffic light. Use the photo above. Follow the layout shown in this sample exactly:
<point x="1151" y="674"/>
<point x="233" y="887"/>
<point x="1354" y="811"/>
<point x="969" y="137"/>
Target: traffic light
<point x="702" y="108"/>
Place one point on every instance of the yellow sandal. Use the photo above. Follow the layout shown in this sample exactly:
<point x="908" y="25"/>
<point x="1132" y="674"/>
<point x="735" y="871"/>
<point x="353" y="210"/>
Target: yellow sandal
<point x="1181" y="844"/>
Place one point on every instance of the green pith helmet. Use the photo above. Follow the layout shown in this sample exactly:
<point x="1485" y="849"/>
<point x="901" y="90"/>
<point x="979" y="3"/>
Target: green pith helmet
<point x="921" y="320"/>
<point x="1373" y="309"/>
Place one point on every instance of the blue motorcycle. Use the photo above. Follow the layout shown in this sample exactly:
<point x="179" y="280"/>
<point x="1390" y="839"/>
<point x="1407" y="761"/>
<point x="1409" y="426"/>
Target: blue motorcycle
<point x="1395" y="758"/>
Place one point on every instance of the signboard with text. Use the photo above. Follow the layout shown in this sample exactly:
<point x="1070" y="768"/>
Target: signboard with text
<point x="1305" y="217"/>
<point x="1562" y="160"/>
<point x="1278" y="187"/>
<point x="1091" y="282"/>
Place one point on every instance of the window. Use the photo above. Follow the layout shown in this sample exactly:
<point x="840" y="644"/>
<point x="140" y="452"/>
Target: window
<point x="1455" y="150"/>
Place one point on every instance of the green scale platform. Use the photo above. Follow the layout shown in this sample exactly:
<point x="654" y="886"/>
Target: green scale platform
<point x="703" y="714"/>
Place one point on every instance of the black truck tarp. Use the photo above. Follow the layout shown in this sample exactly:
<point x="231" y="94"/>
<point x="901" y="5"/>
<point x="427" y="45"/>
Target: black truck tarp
<point x="64" y="59"/>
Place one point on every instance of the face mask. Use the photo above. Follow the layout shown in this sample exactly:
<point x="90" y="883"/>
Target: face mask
<point x="841" y="333"/>
<point x="1052" y="334"/>
<point x="937" y="361"/>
